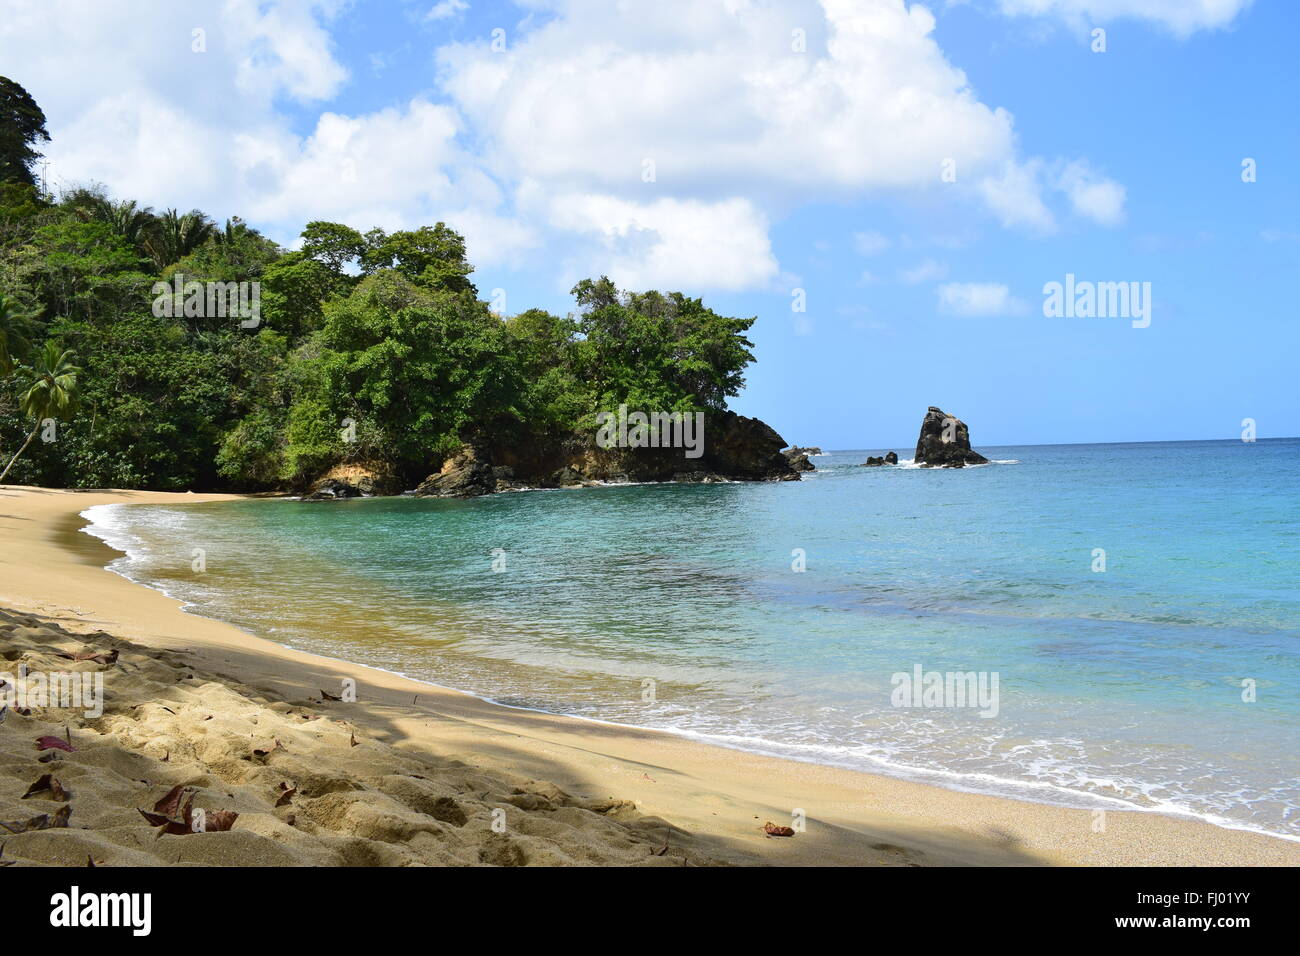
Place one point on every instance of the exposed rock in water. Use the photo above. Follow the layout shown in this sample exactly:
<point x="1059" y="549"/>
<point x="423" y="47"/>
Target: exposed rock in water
<point x="798" y="459"/>
<point x="353" y="480"/>
<point x="872" y="462"/>
<point x="945" y="442"/>
<point x="464" y="475"/>
<point x="734" y="448"/>
<point x="794" y="451"/>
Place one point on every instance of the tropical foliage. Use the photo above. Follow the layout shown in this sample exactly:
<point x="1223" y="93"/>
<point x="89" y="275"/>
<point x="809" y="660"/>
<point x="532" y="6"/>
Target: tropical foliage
<point x="383" y="331"/>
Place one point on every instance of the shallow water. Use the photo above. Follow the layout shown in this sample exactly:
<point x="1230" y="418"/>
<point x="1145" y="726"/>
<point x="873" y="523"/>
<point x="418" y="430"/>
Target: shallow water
<point x="1115" y="688"/>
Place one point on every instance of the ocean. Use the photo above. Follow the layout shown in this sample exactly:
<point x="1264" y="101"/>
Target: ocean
<point x="1130" y="612"/>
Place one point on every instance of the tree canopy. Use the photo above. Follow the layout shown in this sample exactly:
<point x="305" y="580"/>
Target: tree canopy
<point x="369" y="345"/>
<point x="22" y="129"/>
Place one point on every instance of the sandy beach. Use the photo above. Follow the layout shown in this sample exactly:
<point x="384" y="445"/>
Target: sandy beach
<point x="412" y="774"/>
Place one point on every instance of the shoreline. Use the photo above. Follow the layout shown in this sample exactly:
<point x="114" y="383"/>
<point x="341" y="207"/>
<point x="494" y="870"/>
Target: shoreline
<point x="718" y="795"/>
<point x="955" y="781"/>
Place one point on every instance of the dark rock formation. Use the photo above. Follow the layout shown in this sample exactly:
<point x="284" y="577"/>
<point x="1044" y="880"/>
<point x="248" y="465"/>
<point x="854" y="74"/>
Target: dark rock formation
<point x="734" y="448"/>
<point x="327" y="489"/>
<point x="794" y="451"/>
<point x="465" y="474"/>
<point x="799" y="462"/>
<point x="945" y="442"/>
<point x="872" y="461"/>
<point x="353" y="480"/>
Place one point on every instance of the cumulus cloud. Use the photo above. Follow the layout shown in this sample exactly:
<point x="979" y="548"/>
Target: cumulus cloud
<point x="860" y="97"/>
<point x="971" y="299"/>
<point x="548" y="142"/>
<point x="668" y="242"/>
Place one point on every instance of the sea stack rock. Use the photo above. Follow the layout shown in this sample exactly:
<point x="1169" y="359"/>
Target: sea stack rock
<point x="945" y="442"/>
<point x="891" y="459"/>
<point x="798" y="458"/>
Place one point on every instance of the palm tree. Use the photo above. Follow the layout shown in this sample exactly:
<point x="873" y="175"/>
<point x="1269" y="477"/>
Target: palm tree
<point x="126" y="218"/>
<point x="173" y="236"/>
<point x="235" y="228"/>
<point x="15" y="323"/>
<point x="52" y="393"/>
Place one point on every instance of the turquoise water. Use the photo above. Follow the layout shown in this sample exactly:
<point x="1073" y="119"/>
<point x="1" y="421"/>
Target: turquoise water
<point x="1120" y="688"/>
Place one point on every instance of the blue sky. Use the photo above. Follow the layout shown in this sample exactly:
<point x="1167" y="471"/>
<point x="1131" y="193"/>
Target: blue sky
<point x="782" y="161"/>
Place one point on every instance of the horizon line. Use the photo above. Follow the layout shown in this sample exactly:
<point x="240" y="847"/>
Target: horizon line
<point x="1063" y="444"/>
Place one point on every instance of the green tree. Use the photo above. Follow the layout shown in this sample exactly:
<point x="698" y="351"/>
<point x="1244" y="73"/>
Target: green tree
<point x="22" y="126"/>
<point x="52" y="393"/>
<point x="431" y="256"/>
<point x="657" y="351"/>
<point x="418" y="369"/>
<point x="82" y="269"/>
<point x="333" y="244"/>
<point x="294" y="289"/>
<point x="15" y="327"/>
<point x="126" y="218"/>
<point x="175" y="236"/>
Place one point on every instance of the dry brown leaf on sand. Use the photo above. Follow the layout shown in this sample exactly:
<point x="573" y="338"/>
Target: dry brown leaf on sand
<point x="219" y="821"/>
<point x="169" y="814"/>
<point x="42" y="822"/>
<point x="172" y="816"/>
<point x="771" y="829"/>
<point x="56" y="743"/>
<point x="47" y="784"/>
<point x="286" y="794"/>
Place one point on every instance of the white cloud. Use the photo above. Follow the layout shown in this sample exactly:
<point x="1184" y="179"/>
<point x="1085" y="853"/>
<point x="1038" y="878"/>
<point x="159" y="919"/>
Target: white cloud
<point x="352" y="165"/>
<point x="446" y="9"/>
<point x="284" y="47"/>
<point x="925" y="271"/>
<point x="714" y="94"/>
<point x="1015" y="196"/>
<point x="667" y="242"/>
<point x="1091" y="195"/>
<point x="544" y="144"/>
<point x="978" y="299"/>
<point x="1182" y="17"/>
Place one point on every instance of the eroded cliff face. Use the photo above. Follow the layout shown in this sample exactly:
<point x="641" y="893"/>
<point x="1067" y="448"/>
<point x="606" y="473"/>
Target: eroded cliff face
<point x="353" y="480"/>
<point x="944" y="442"/>
<point x="733" y="448"/>
<point x="727" y="447"/>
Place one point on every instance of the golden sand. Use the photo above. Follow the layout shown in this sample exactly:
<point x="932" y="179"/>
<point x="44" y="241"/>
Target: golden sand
<point x="414" y="774"/>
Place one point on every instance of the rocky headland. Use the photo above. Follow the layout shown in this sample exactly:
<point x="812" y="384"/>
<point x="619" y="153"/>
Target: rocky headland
<point x="735" y="448"/>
